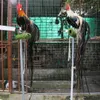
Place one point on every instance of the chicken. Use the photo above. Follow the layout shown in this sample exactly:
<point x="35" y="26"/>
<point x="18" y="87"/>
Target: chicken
<point x="83" y="34"/>
<point x="27" y="25"/>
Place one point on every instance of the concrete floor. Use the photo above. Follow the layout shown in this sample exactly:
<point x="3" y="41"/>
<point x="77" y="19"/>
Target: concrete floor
<point x="51" y="96"/>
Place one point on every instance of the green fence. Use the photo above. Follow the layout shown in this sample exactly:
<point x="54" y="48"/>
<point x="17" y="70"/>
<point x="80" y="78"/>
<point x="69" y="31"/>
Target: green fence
<point x="49" y="30"/>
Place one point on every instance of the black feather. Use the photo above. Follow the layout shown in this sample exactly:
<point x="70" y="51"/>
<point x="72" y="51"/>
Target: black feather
<point x="72" y="21"/>
<point x="81" y="46"/>
<point x="30" y="27"/>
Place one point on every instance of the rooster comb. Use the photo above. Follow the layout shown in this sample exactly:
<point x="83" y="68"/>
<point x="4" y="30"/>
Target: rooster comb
<point x="67" y="7"/>
<point x="19" y="6"/>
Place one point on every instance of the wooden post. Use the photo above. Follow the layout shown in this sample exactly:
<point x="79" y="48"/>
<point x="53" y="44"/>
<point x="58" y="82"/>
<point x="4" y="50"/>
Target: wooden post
<point x="10" y="46"/>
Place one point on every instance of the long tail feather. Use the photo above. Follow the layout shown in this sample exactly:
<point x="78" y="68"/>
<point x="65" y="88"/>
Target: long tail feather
<point x="34" y="30"/>
<point x="85" y="34"/>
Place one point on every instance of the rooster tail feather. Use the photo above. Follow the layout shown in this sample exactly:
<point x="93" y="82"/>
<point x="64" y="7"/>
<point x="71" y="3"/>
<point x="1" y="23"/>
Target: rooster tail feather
<point x="85" y="35"/>
<point x="35" y="34"/>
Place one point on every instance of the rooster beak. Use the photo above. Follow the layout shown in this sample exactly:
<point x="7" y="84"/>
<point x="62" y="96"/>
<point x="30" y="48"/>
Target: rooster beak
<point x="61" y="12"/>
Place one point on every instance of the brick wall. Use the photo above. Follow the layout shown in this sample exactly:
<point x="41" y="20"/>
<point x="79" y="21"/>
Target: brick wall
<point x="55" y="55"/>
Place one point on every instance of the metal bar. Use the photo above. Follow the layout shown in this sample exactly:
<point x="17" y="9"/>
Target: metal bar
<point x="26" y="66"/>
<point x="19" y="65"/>
<point x="72" y="71"/>
<point x="23" y="54"/>
<point x="24" y="60"/>
<point x="19" y="62"/>
<point x="2" y="60"/>
<point x="7" y="28"/>
<point x="22" y="67"/>
<point x="26" y="51"/>
<point x="10" y="46"/>
<point x="26" y="7"/>
<point x="69" y="52"/>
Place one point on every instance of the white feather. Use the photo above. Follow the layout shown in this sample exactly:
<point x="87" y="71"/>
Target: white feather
<point x="70" y="13"/>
